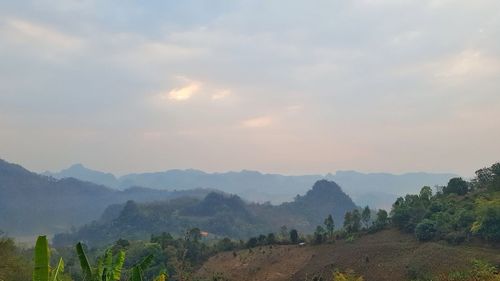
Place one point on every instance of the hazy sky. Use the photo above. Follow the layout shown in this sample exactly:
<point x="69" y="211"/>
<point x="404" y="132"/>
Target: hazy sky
<point x="277" y="86"/>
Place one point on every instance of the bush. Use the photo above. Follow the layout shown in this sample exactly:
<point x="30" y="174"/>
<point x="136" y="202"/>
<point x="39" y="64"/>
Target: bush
<point x="488" y="223"/>
<point x="426" y="230"/>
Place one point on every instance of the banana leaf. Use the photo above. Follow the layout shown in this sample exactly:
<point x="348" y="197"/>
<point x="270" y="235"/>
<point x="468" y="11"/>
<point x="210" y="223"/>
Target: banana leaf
<point x="42" y="257"/>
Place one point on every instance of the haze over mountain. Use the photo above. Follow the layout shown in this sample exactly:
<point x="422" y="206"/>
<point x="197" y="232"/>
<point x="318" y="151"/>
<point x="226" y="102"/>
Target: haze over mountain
<point x="31" y="203"/>
<point x="78" y="171"/>
<point x="378" y="190"/>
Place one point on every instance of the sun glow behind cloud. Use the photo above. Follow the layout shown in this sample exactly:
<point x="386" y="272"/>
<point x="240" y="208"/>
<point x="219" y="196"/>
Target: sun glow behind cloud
<point x="183" y="93"/>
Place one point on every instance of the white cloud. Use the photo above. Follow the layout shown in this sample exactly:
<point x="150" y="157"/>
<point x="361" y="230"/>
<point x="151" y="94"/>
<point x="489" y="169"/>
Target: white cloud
<point x="24" y="31"/>
<point x="258" y="122"/>
<point x="183" y="93"/>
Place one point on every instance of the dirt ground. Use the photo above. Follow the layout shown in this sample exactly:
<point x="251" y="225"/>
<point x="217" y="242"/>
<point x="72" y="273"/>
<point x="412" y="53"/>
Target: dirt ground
<point x="384" y="256"/>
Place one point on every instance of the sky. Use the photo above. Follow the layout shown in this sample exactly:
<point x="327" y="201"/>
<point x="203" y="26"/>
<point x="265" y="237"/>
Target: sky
<point x="289" y="87"/>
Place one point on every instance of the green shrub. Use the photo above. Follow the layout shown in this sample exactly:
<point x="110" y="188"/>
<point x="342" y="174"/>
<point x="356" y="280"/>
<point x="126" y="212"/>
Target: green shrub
<point x="426" y="230"/>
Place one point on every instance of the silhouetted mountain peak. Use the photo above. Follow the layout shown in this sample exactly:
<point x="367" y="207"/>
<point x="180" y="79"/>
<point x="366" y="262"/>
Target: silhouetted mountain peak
<point x="325" y="186"/>
<point x="325" y="191"/>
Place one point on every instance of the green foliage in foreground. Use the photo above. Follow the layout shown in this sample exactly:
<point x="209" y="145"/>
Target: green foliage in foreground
<point x="13" y="266"/>
<point x="480" y="271"/>
<point x="42" y="270"/>
<point x="458" y="212"/>
<point x="108" y="268"/>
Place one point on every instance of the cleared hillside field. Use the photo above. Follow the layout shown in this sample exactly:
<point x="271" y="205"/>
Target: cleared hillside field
<point x="387" y="255"/>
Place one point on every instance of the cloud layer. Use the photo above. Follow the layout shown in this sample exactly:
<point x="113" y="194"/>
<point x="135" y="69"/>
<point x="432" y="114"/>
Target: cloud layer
<point x="278" y="86"/>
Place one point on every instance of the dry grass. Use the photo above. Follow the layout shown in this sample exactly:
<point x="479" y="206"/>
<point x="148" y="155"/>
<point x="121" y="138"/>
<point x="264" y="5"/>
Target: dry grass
<point x="387" y="255"/>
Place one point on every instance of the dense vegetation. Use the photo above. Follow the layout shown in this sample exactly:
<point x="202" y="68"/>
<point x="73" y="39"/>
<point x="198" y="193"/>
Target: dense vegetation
<point x="457" y="212"/>
<point x="219" y="214"/>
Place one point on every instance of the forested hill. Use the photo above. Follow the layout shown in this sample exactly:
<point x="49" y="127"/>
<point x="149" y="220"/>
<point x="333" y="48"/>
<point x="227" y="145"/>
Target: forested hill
<point x="219" y="214"/>
<point x="307" y="211"/>
<point x="31" y="203"/>
<point x="326" y="197"/>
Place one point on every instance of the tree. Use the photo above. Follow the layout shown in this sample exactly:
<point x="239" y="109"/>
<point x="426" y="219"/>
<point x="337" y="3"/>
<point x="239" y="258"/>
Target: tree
<point x="366" y="216"/>
<point x="381" y="220"/>
<point x="488" y="178"/>
<point x="488" y="221"/>
<point x="407" y="212"/>
<point x="283" y="233"/>
<point x="495" y="183"/>
<point x="319" y="234"/>
<point x="456" y="186"/>
<point x="294" y="236"/>
<point x="194" y="235"/>
<point x="356" y="220"/>
<point x="271" y="239"/>
<point x="330" y="226"/>
<point x="348" y="221"/>
<point x="426" y="230"/>
<point x="252" y="242"/>
<point x="425" y="193"/>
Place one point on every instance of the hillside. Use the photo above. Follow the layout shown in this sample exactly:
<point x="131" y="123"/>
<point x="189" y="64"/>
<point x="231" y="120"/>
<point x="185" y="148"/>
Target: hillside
<point x="218" y="214"/>
<point x="387" y="255"/>
<point x="307" y="211"/>
<point x="31" y="203"/>
<point x="428" y="235"/>
<point x="378" y="190"/>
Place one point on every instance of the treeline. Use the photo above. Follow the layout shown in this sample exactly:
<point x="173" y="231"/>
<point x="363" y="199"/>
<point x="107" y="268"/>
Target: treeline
<point x="460" y="211"/>
<point x="355" y="222"/>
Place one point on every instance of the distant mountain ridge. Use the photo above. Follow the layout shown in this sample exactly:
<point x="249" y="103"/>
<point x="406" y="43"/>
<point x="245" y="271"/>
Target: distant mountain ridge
<point x="78" y="171"/>
<point x="32" y="204"/>
<point x="378" y="190"/>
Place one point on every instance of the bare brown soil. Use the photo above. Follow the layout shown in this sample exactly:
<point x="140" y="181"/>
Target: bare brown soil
<point x="384" y="256"/>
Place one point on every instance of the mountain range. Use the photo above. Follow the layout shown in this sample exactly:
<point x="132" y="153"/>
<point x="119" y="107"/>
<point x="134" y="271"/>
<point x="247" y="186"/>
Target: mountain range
<point x="31" y="203"/>
<point x="55" y="202"/>
<point x="379" y="190"/>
